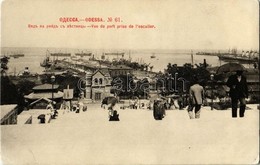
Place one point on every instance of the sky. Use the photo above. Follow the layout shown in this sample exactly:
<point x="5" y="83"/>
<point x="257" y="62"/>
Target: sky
<point x="179" y="24"/>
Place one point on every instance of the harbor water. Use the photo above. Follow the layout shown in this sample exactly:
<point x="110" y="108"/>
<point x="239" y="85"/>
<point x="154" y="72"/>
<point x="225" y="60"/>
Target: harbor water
<point x="34" y="56"/>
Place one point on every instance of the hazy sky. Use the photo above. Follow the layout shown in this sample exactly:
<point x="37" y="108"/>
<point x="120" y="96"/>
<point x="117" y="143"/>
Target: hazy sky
<point x="180" y="24"/>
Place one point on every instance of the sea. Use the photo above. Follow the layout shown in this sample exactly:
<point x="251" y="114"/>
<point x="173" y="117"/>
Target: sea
<point x="34" y="56"/>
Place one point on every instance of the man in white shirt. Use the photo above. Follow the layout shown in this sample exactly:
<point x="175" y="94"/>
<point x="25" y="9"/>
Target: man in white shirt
<point x="196" y="99"/>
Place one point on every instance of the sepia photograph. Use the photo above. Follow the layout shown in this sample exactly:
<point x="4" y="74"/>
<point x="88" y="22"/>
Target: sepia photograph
<point x="145" y="82"/>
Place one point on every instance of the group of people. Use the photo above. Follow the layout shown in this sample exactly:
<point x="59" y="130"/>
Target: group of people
<point x="53" y="111"/>
<point x="76" y="107"/>
<point x="238" y="92"/>
<point x="79" y="107"/>
<point x="133" y="104"/>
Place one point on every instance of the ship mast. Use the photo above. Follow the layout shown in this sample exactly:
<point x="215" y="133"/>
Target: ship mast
<point x="192" y="58"/>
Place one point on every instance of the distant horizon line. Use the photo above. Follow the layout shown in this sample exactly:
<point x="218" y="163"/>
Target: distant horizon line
<point x="128" y="49"/>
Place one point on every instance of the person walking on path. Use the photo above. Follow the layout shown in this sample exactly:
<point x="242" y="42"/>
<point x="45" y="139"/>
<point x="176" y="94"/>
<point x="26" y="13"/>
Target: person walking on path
<point x="196" y="99"/>
<point x="114" y="116"/>
<point x="238" y="92"/>
<point x="159" y="109"/>
<point x="51" y="110"/>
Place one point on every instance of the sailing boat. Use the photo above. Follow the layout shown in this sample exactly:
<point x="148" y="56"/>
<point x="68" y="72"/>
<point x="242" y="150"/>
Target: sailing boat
<point x="192" y="60"/>
<point x="46" y="62"/>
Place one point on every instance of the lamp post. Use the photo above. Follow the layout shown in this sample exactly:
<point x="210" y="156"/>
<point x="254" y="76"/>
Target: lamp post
<point x="52" y="84"/>
<point x="175" y="81"/>
<point x="212" y="79"/>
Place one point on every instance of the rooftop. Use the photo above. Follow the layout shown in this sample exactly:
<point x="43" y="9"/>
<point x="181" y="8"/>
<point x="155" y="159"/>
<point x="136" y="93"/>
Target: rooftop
<point x="44" y="95"/>
<point x="104" y="72"/>
<point x="46" y="99"/>
<point x="119" y="67"/>
<point x="46" y="87"/>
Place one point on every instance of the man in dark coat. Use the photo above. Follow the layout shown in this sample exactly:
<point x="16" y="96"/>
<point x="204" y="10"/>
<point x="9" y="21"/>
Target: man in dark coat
<point x="238" y="92"/>
<point x="114" y="116"/>
<point x="158" y="110"/>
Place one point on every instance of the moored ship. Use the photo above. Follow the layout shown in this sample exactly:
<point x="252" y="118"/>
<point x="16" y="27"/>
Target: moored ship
<point x="152" y="56"/>
<point x="46" y="62"/>
<point x="16" y="55"/>
<point x="117" y="54"/>
<point x="83" y="54"/>
<point x="61" y="54"/>
<point x="245" y="57"/>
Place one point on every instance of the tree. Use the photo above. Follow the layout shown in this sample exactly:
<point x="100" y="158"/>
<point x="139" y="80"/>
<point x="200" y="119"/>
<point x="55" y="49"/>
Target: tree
<point x="8" y="89"/>
<point x="185" y="73"/>
<point x="9" y="93"/>
<point x="124" y="85"/>
<point x="65" y="80"/>
<point x="4" y="61"/>
<point x="142" y="87"/>
<point x="24" y="87"/>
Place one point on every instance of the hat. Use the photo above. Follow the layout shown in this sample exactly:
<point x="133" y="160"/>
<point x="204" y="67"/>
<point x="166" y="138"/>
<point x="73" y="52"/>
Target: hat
<point x="240" y="71"/>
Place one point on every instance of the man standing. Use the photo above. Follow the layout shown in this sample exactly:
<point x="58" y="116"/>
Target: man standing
<point x="238" y="92"/>
<point x="158" y="110"/>
<point x="196" y="99"/>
